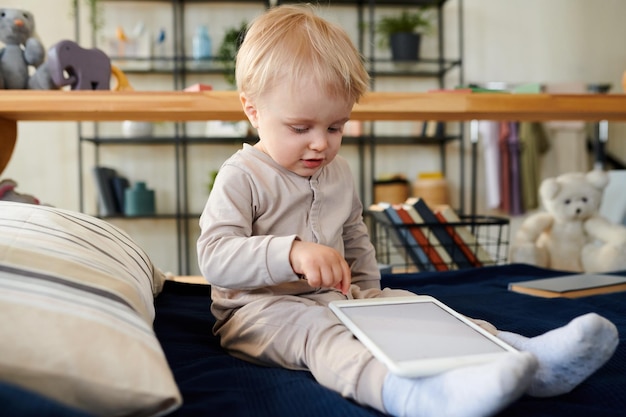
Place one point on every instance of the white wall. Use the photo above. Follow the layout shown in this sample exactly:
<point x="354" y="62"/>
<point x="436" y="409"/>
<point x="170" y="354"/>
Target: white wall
<point x="545" y="41"/>
<point x="514" y="41"/>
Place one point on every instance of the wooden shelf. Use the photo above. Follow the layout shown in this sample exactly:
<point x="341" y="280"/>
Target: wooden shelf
<point x="224" y="105"/>
<point x="29" y="105"/>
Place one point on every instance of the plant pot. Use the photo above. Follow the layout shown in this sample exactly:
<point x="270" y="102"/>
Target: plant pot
<point x="136" y="129"/>
<point x="405" y="46"/>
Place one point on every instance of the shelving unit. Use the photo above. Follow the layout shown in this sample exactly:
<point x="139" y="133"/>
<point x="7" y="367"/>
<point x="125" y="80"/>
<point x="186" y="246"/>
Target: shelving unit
<point x="178" y="67"/>
<point x="181" y="70"/>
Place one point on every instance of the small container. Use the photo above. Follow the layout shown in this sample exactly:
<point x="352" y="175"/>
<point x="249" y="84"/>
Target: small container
<point x="393" y="190"/>
<point x="433" y="188"/>
<point x="201" y="44"/>
<point x="139" y="200"/>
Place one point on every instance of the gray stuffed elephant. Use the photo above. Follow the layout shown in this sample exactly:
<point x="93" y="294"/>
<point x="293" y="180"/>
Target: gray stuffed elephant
<point x="82" y="69"/>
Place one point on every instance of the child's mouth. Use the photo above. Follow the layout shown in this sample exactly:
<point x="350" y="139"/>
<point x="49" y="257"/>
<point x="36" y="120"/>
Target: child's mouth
<point x="312" y="163"/>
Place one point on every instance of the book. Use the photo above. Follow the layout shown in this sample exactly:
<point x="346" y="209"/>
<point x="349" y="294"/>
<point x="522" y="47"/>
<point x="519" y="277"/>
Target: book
<point x="460" y="243"/>
<point x="432" y="128"/>
<point x="387" y="215"/>
<point x="415" y="252"/>
<point x="419" y="241"/>
<point x="570" y="286"/>
<point x="456" y="90"/>
<point x="103" y="177"/>
<point x="437" y="253"/>
<point x="377" y="211"/>
<point x="447" y="240"/>
<point x="119" y="185"/>
<point x="474" y="247"/>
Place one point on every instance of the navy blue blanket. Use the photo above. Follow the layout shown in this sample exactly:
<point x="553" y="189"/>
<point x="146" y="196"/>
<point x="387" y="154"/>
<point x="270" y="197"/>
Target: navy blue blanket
<point x="215" y="384"/>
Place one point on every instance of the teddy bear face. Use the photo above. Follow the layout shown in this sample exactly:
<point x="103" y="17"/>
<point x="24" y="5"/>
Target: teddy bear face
<point x="578" y="205"/>
<point x="572" y="197"/>
<point x="16" y="26"/>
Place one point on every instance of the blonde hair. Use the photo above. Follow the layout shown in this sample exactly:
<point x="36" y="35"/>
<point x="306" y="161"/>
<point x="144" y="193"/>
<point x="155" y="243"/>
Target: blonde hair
<point x="289" y="43"/>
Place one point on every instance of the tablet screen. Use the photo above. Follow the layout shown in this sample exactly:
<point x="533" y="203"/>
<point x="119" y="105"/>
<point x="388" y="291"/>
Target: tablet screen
<point x="419" y="330"/>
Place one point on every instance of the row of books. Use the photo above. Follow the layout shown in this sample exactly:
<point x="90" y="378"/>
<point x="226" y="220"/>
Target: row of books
<point x="432" y="239"/>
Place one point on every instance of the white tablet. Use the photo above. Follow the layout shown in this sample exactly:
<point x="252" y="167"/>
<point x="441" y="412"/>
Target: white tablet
<point x="418" y="335"/>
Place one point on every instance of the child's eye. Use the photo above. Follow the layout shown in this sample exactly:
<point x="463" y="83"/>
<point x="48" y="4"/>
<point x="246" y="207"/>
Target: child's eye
<point x="334" y="129"/>
<point x="298" y="129"/>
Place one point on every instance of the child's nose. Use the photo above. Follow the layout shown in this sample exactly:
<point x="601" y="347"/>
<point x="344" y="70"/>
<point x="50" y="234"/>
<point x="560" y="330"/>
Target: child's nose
<point x="319" y="142"/>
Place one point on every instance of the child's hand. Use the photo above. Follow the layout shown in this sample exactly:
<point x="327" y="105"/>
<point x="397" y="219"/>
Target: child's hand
<point x="321" y="266"/>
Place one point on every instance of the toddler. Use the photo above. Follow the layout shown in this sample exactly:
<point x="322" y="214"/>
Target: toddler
<point x="282" y="235"/>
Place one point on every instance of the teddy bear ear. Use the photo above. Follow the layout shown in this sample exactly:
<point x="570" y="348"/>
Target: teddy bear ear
<point x="598" y="178"/>
<point x="548" y="188"/>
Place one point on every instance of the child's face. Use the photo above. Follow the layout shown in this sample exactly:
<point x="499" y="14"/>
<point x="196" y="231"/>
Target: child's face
<point x="300" y="128"/>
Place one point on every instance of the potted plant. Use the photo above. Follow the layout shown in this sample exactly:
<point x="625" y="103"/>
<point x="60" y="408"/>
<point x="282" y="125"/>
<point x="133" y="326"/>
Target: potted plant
<point x="95" y="14"/>
<point x="227" y="51"/>
<point x="403" y="33"/>
<point x="226" y="55"/>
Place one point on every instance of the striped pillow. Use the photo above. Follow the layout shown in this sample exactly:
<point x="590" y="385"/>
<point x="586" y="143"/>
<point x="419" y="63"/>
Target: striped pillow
<point x="76" y="312"/>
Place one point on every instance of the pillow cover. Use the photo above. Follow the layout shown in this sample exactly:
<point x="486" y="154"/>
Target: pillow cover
<point x="76" y="313"/>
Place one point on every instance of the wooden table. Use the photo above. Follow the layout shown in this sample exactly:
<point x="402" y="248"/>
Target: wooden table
<point x="28" y="105"/>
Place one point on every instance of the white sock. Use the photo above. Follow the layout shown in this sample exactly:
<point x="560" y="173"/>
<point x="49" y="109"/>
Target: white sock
<point x="470" y="391"/>
<point x="569" y="354"/>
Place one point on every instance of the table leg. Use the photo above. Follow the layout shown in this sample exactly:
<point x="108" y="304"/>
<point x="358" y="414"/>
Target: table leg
<point x="8" y="137"/>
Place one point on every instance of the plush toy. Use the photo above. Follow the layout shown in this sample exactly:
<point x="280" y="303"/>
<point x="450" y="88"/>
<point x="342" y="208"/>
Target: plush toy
<point x="82" y="69"/>
<point x="571" y="235"/>
<point x="8" y="193"/>
<point x="22" y="50"/>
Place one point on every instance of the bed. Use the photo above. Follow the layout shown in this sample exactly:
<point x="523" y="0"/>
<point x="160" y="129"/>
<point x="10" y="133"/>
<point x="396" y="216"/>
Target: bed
<point x="214" y="384"/>
<point x="47" y="252"/>
<point x="211" y="380"/>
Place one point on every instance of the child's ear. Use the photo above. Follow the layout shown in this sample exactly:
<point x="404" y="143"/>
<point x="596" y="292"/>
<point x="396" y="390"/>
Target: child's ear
<point x="249" y="108"/>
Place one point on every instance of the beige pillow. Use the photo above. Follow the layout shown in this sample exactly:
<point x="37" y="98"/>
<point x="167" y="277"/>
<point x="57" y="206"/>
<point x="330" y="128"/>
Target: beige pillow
<point x="76" y="313"/>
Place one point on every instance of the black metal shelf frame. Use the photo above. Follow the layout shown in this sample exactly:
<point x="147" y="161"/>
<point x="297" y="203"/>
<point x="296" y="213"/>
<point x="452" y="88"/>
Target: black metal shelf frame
<point x="181" y="65"/>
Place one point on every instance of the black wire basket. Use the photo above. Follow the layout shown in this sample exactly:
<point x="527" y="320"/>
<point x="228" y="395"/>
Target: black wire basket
<point x="474" y="241"/>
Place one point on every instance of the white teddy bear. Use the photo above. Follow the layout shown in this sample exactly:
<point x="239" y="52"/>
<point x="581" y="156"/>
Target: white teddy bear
<point x="571" y="235"/>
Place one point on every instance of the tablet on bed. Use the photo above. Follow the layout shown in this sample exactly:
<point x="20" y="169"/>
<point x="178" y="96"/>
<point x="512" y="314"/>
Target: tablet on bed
<point x="418" y="336"/>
